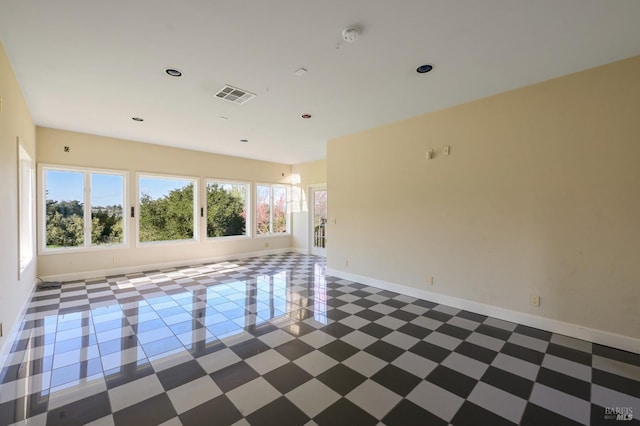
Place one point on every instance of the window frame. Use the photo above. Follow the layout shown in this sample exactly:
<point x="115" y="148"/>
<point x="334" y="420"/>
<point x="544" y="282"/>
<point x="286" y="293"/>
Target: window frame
<point x="196" y="209"/>
<point x="287" y="214"/>
<point x="87" y="190"/>
<point x="26" y="208"/>
<point x="248" y="208"/>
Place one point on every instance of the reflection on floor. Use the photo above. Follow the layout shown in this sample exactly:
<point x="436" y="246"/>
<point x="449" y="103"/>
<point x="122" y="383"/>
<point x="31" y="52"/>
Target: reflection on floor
<point x="273" y="341"/>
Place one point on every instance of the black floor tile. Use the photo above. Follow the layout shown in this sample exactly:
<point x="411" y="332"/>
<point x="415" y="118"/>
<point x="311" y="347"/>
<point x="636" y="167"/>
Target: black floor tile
<point x="570" y="354"/>
<point x="376" y="330"/>
<point x="81" y="412"/>
<point x="341" y="379"/>
<point x="452" y="381"/>
<point x="23" y="408"/>
<point x="396" y="379"/>
<point x="403" y="315"/>
<point x="414" y="330"/>
<point x="454" y="331"/>
<point x="430" y="351"/>
<point x="249" y="348"/>
<point x="479" y="353"/>
<point x="508" y="382"/>
<point x="370" y="315"/>
<point x="346" y="413"/>
<point x="294" y="349"/>
<point x="150" y="412"/>
<point x="472" y="316"/>
<point x="180" y="374"/>
<point x="337" y="315"/>
<point x="424" y="304"/>
<point x="472" y="415"/>
<point x="523" y="353"/>
<point x="535" y="415"/>
<point x="564" y="383"/>
<point x="492" y="331"/>
<point x="384" y="350"/>
<point x="337" y="329"/>
<point x="395" y="303"/>
<point x="278" y="412"/>
<point x="617" y="354"/>
<point x="233" y="376"/>
<point x="287" y="377"/>
<point x="338" y="350"/>
<point x="220" y="409"/>
<point x="615" y="382"/>
<point x="437" y="315"/>
<point x="408" y="413"/>
<point x="533" y="332"/>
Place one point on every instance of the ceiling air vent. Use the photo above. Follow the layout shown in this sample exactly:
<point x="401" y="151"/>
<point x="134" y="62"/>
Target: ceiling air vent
<point x="235" y="95"/>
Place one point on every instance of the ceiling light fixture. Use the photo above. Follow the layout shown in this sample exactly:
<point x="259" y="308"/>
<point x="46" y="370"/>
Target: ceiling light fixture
<point x="306" y="116"/>
<point x="173" y="72"/>
<point x="137" y="119"/>
<point x="301" y="72"/>
<point x="350" y="34"/>
<point x="422" y="69"/>
<point x="244" y="140"/>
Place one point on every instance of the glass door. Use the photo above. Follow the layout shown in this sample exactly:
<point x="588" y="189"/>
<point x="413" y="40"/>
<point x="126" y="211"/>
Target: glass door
<point x="318" y="197"/>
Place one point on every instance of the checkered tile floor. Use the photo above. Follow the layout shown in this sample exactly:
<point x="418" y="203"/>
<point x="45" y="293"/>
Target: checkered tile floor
<point x="274" y="341"/>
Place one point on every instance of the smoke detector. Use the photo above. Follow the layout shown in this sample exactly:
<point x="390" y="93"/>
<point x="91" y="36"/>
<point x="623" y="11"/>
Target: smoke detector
<point x="350" y="34"/>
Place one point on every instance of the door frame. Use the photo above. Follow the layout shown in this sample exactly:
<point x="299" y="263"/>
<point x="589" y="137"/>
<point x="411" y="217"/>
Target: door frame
<point x="311" y="189"/>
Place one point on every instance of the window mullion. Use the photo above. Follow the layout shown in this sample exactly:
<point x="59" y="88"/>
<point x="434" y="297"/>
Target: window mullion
<point x="87" y="209"/>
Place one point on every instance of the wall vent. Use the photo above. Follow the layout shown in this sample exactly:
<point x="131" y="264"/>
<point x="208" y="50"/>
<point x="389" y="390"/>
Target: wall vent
<point x="235" y="95"/>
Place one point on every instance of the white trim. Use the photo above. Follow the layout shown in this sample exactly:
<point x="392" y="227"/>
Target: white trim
<point x="98" y="273"/>
<point x="299" y="250"/>
<point x="9" y="337"/>
<point x="602" y="337"/>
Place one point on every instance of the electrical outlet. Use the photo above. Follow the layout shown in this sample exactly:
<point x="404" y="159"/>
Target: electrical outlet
<point x="266" y="245"/>
<point x="430" y="279"/>
<point x="446" y="150"/>
<point x="535" y="300"/>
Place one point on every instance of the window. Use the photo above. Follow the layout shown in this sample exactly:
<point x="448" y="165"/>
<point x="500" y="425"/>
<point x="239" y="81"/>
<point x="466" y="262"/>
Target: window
<point x="25" y="207"/>
<point x="271" y="209"/>
<point x="83" y="208"/>
<point x="226" y="209"/>
<point x="167" y="209"/>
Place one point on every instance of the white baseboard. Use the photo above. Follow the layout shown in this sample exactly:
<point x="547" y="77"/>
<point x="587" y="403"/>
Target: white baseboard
<point x="84" y="275"/>
<point x="602" y="337"/>
<point x="10" y="337"/>
<point x="299" y="250"/>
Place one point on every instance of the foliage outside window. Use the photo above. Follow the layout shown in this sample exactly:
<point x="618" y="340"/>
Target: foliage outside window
<point x="226" y="209"/>
<point x="167" y="209"/>
<point x="271" y="209"/>
<point x="83" y="208"/>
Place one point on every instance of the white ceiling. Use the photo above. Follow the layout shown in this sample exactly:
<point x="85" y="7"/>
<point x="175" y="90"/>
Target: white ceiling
<point x="90" y="66"/>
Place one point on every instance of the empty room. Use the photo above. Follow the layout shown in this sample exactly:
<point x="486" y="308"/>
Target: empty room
<point x="331" y="213"/>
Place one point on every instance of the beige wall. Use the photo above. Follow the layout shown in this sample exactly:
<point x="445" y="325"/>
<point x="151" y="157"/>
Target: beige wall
<point x="305" y="174"/>
<point x="101" y="152"/>
<point x="15" y="121"/>
<point x="540" y="195"/>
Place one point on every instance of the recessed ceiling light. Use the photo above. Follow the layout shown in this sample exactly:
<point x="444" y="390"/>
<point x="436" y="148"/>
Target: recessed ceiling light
<point x="173" y="72"/>
<point x="424" y="68"/>
<point x="306" y="116"/>
<point x="244" y="140"/>
<point x="137" y="119"/>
